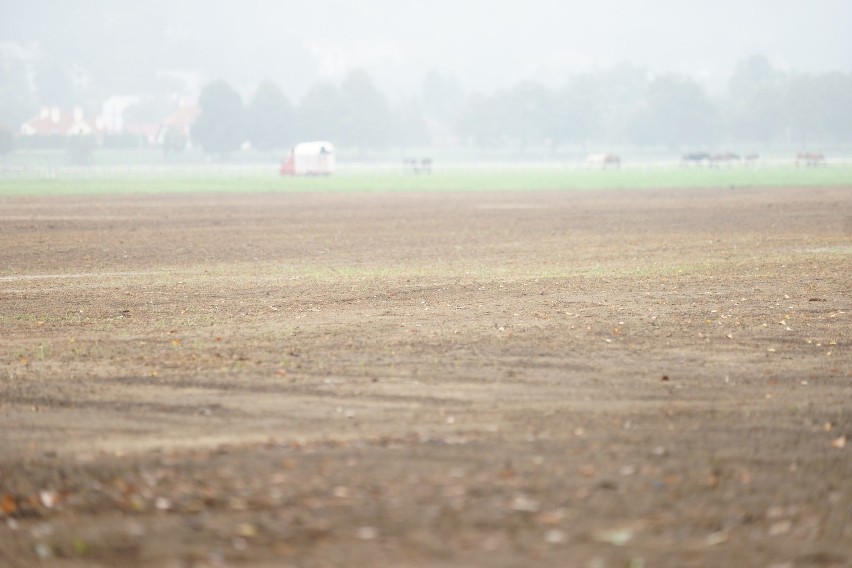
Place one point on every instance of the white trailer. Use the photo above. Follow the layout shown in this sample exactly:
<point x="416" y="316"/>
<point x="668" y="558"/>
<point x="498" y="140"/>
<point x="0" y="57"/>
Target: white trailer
<point x="309" y="159"/>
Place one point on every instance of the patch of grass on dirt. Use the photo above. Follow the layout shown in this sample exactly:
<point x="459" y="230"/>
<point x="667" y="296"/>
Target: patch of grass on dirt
<point x="271" y="273"/>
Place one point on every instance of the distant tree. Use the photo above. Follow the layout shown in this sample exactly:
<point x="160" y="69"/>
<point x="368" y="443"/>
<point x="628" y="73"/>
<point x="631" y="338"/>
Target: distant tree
<point x="409" y="126"/>
<point x="641" y="126"/>
<point x="576" y="114"/>
<point x="526" y="112"/>
<point x="480" y="122"/>
<point x="608" y="100"/>
<point x="818" y="106"/>
<point x="16" y="100"/>
<point x="592" y="106"/>
<point x="220" y="128"/>
<point x="321" y="113"/>
<point x="755" y="109"/>
<point x="752" y="74"/>
<point x="270" y="118"/>
<point x="676" y="112"/>
<point x="836" y="93"/>
<point x="441" y="96"/>
<point x="174" y="141"/>
<point x="367" y="118"/>
<point x="80" y="148"/>
<point x="623" y="85"/>
<point x="7" y="140"/>
<point x="758" y="116"/>
<point x="805" y="108"/>
<point x="356" y="114"/>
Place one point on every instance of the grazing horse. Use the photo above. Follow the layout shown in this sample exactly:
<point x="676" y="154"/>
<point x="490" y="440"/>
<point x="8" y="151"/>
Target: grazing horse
<point x="697" y="158"/>
<point x="603" y="161"/>
<point x="424" y="166"/>
<point x="724" y="158"/>
<point x="810" y="159"/>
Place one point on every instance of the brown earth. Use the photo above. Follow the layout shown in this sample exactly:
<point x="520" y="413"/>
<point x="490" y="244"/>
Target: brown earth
<point x="593" y="379"/>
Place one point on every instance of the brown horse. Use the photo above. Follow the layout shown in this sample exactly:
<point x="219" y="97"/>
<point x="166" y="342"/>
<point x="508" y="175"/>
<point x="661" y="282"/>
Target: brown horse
<point x="810" y="159"/>
<point x="603" y="161"/>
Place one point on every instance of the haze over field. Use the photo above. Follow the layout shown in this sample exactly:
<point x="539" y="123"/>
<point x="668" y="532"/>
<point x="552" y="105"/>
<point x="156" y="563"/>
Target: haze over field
<point x="486" y="45"/>
<point x="667" y="76"/>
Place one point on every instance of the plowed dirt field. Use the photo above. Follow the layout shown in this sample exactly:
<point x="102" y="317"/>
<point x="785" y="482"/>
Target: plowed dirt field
<point x="567" y="378"/>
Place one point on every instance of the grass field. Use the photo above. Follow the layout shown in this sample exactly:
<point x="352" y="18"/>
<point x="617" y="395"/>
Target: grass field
<point x="461" y="179"/>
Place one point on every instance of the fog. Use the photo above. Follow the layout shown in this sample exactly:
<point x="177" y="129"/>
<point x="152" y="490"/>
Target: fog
<point x="388" y="73"/>
<point x="485" y="45"/>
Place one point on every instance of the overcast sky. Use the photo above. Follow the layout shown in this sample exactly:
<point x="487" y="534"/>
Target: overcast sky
<point x="485" y="44"/>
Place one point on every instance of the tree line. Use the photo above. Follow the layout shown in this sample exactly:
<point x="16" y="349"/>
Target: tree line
<point x="762" y="107"/>
<point x="354" y="115"/>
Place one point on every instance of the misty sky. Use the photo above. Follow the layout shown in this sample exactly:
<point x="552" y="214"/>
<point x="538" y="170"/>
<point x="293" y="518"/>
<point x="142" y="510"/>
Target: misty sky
<point x="485" y="44"/>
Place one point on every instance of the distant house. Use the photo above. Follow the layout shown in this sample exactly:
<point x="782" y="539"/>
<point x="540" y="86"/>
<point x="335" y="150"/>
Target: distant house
<point x="137" y="117"/>
<point x="52" y="121"/>
<point x="178" y="125"/>
<point x="113" y="110"/>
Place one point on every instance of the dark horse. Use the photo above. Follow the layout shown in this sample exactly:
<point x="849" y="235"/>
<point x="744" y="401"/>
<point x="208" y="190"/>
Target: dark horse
<point x="724" y="158"/>
<point x="697" y="158"/>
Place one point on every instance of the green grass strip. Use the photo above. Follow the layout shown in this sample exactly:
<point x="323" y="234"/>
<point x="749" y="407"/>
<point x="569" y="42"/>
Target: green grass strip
<point x="527" y="179"/>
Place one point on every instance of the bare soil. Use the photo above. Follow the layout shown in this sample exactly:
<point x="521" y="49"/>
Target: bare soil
<point x="594" y="379"/>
